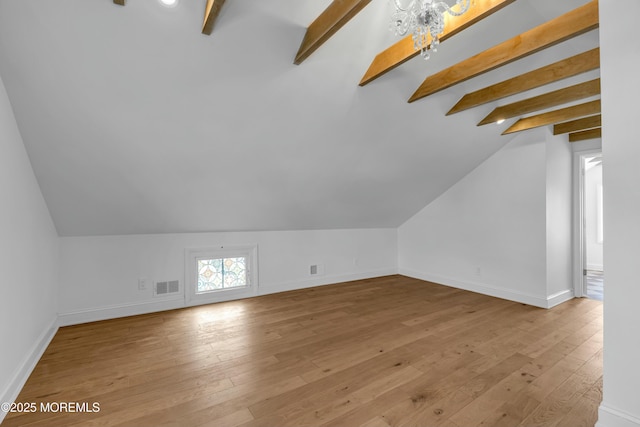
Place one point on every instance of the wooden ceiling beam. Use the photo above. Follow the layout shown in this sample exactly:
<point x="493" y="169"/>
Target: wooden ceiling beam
<point x="119" y="2"/>
<point x="557" y="71"/>
<point x="578" y="125"/>
<point x="569" y="25"/>
<point x="327" y="24"/>
<point x="404" y="50"/>
<point x="544" y="101"/>
<point x="211" y="12"/>
<point x="585" y="135"/>
<point x="557" y="116"/>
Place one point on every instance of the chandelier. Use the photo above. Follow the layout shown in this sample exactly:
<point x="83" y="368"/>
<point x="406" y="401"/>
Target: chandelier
<point x="423" y="18"/>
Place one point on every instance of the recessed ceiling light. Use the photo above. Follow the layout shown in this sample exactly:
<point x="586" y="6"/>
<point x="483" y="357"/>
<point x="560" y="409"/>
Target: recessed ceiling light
<point x="169" y="3"/>
<point x="499" y="122"/>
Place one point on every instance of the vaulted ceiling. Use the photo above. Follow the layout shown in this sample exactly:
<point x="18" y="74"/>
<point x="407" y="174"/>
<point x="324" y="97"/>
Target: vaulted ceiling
<point x="137" y="122"/>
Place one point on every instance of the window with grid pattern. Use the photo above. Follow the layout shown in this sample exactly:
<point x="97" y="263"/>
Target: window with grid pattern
<point x="220" y="273"/>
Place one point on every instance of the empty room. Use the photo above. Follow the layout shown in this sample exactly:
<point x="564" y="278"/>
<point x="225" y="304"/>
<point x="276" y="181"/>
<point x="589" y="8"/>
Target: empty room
<point x="319" y="213"/>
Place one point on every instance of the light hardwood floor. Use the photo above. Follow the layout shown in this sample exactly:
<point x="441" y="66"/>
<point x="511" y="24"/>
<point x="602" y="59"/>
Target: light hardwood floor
<point x="391" y="351"/>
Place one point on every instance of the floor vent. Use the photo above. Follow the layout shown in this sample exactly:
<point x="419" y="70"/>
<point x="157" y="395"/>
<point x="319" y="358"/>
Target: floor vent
<point x="167" y="288"/>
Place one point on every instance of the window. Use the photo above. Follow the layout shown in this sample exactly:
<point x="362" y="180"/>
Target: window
<point x="221" y="274"/>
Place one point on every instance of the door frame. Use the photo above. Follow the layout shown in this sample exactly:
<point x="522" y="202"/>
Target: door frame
<point x="579" y="240"/>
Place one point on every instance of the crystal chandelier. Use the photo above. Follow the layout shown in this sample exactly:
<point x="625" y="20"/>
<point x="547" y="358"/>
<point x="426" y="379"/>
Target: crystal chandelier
<point x="423" y="18"/>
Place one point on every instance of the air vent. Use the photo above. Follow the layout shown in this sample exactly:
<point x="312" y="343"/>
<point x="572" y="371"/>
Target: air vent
<point x="316" y="270"/>
<point x="167" y="288"/>
<point x="174" y="286"/>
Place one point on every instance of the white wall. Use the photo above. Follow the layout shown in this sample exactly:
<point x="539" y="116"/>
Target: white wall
<point x="592" y="181"/>
<point x="28" y="261"/>
<point x="621" y="151"/>
<point x="99" y="275"/>
<point x="504" y="229"/>
<point x="559" y="195"/>
<point x="487" y="232"/>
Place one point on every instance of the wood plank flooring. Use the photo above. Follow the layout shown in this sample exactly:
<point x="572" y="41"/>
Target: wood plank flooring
<point x="391" y="351"/>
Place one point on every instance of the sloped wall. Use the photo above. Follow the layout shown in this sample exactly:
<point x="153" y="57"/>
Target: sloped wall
<point x="488" y="233"/>
<point x="28" y="261"/>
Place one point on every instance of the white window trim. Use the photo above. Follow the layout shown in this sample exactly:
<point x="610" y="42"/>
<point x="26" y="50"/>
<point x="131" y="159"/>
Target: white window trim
<point x="222" y="251"/>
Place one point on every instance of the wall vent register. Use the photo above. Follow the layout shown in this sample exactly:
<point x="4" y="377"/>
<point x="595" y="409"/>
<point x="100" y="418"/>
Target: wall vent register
<point x="167" y="288"/>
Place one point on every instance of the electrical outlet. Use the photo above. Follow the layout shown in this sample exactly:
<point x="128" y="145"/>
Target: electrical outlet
<point x="478" y="271"/>
<point x="142" y="284"/>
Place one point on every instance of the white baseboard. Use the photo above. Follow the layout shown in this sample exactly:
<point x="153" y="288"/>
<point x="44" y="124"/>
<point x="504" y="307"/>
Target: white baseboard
<point x="480" y="288"/>
<point x="559" y="297"/>
<point x="120" y="310"/>
<point x="134" y="309"/>
<point x="272" y="288"/>
<point x="10" y="393"/>
<point x="610" y="417"/>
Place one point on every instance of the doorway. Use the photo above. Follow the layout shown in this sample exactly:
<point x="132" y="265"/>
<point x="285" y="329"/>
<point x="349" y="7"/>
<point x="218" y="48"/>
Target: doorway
<point x="590" y="261"/>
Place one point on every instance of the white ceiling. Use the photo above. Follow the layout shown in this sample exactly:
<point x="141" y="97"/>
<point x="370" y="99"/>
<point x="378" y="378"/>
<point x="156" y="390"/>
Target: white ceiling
<point x="135" y="122"/>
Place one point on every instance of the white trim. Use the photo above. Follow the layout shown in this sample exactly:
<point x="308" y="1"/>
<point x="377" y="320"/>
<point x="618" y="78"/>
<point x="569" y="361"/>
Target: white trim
<point x="119" y="310"/>
<point x="480" y="288"/>
<point x="144" y="307"/>
<point x="250" y="251"/>
<point x="133" y="309"/>
<point x="272" y="288"/>
<point x="559" y="297"/>
<point x="610" y="417"/>
<point x="579" y="242"/>
<point x="17" y="382"/>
